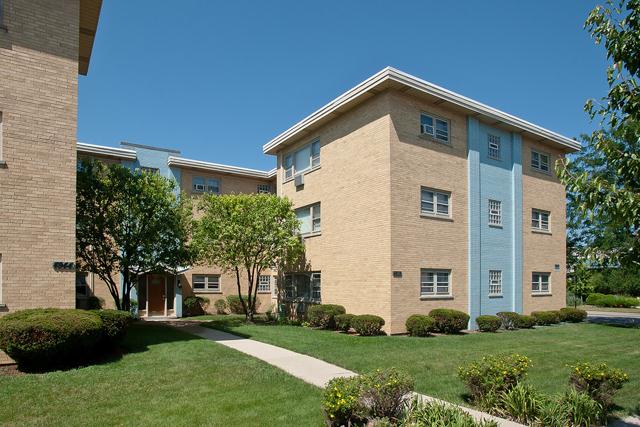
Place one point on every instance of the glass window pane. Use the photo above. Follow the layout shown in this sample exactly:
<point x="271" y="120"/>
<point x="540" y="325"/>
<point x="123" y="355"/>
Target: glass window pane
<point x="304" y="216"/>
<point x="302" y="159"/>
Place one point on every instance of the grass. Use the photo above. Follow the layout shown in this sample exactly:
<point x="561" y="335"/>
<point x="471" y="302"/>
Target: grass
<point x="434" y="361"/>
<point x="165" y="377"/>
<point x="609" y="309"/>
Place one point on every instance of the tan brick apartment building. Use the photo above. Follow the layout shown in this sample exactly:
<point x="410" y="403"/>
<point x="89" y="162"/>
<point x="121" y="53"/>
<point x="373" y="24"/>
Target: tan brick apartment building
<point x="44" y="45"/>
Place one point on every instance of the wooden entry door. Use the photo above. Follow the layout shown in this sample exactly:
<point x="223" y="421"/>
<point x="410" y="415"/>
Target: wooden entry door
<point x="156" y="293"/>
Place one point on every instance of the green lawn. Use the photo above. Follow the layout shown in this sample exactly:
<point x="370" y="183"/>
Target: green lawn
<point x="167" y="377"/>
<point x="434" y="361"/>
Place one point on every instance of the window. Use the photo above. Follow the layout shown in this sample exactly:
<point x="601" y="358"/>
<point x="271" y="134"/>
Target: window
<point x="495" y="212"/>
<point x="309" y="217"/>
<point x="539" y="220"/>
<point x="495" y="282"/>
<point x="434" y="127"/>
<point x="540" y="283"/>
<point x="264" y="188"/>
<point x="434" y="202"/>
<point x="302" y="159"/>
<point x="200" y="185"/>
<point x="434" y="283"/>
<point x="494" y="146"/>
<point x="82" y="284"/>
<point x="213" y="186"/>
<point x="303" y="286"/>
<point x="2" y="26"/>
<point x="264" y="283"/>
<point x="153" y="171"/>
<point x="206" y="283"/>
<point x="539" y="161"/>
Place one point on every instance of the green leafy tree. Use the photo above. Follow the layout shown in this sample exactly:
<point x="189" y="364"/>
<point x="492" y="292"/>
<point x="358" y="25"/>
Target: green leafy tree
<point x="246" y="234"/>
<point x="604" y="183"/>
<point x="128" y="222"/>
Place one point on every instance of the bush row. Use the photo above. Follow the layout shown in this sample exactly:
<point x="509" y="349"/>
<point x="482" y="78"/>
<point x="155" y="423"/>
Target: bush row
<point x="602" y="300"/>
<point x="335" y="317"/>
<point x="442" y="320"/>
<point x="510" y="320"/>
<point x="41" y="339"/>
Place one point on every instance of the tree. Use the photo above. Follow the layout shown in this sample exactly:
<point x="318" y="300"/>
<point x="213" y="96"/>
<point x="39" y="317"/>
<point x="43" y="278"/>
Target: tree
<point x="246" y="234"/>
<point x="128" y="222"/>
<point x="605" y="186"/>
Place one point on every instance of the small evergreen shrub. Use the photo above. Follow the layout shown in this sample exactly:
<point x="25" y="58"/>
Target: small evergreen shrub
<point x="573" y="315"/>
<point x="343" y="322"/>
<point x="39" y="339"/>
<point x="492" y="375"/>
<point x="449" y="321"/>
<point x="367" y="324"/>
<point x="602" y="300"/>
<point x="235" y="306"/>
<point x="114" y="325"/>
<point x="323" y="315"/>
<point x="194" y="305"/>
<point x="419" y="325"/>
<point x="599" y="381"/>
<point x="525" y="322"/>
<point x="546" y="317"/>
<point x="509" y="319"/>
<point x="488" y="323"/>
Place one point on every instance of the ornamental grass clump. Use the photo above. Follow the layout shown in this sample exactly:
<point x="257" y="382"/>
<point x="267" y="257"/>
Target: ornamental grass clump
<point x="598" y="380"/>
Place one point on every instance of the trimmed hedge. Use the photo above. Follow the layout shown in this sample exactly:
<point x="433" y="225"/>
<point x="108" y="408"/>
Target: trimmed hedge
<point x="323" y="315"/>
<point x="221" y="306"/>
<point x="420" y="325"/>
<point x="38" y="339"/>
<point x="235" y="306"/>
<point x="449" y="321"/>
<point x="367" y="324"/>
<point x="488" y="323"/>
<point x="194" y="305"/>
<point x="509" y="319"/>
<point x="343" y="322"/>
<point x="526" y="322"/>
<point x="573" y="315"/>
<point x="602" y="300"/>
<point x="546" y="317"/>
<point x="114" y="325"/>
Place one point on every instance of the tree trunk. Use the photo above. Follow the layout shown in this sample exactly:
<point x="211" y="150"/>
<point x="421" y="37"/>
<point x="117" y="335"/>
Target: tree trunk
<point x="126" y="291"/>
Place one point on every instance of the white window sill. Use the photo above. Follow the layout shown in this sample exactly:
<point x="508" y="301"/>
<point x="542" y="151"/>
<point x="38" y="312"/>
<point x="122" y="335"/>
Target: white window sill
<point x="496" y="296"/>
<point x="495" y="225"/>
<point x="548" y="173"/>
<point x="264" y="292"/>
<point x="200" y="291"/>
<point x="304" y="172"/>
<point x="541" y="294"/>
<point x="434" y="216"/>
<point x="497" y="159"/>
<point x="435" y="297"/>
<point x="538" y="231"/>
<point x="428" y="137"/>
<point x="312" y="234"/>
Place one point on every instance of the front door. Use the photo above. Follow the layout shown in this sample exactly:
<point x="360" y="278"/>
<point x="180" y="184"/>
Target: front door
<point x="156" y="294"/>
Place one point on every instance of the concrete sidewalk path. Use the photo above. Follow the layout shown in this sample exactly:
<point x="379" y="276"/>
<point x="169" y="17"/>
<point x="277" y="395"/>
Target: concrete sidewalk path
<point x="306" y="368"/>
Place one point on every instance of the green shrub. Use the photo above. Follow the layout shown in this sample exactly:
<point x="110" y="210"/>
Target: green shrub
<point x="602" y="300"/>
<point x="341" y="402"/>
<point x="436" y="414"/>
<point x="521" y="403"/>
<point x="235" y="306"/>
<point x="509" y="319"/>
<point x="581" y="410"/>
<point x="525" y="322"/>
<point x="573" y="315"/>
<point x="488" y="323"/>
<point x="195" y="305"/>
<point x="598" y="380"/>
<point x="39" y="339"/>
<point x="419" y="325"/>
<point x="546" y="317"/>
<point x="367" y="324"/>
<point x="492" y="375"/>
<point x="343" y="322"/>
<point x="449" y="321"/>
<point x="114" y="325"/>
<point x="221" y="306"/>
<point x="94" y="303"/>
<point x="551" y="413"/>
<point x="323" y="315"/>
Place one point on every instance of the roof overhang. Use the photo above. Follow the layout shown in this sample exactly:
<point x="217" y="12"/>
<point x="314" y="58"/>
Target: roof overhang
<point x="102" y="151"/>
<point x="89" y="15"/>
<point x="218" y="168"/>
<point x="390" y="78"/>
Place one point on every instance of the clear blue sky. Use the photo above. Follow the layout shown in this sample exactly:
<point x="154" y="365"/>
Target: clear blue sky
<point x="219" y="79"/>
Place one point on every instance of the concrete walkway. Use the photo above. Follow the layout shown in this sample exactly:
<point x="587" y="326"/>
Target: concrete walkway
<point x="306" y="368"/>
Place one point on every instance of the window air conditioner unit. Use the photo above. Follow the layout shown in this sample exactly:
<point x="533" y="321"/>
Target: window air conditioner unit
<point x="198" y="187"/>
<point x="299" y="180"/>
<point x="425" y="129"/>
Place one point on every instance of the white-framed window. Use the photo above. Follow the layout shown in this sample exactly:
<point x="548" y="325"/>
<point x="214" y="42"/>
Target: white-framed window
<point x="264" y="188"/>
<point x="495" y="212"/>
<point x="540" y="283"/>
<point x="539" y="161"/>
<point x="152" y="171"/>
<point x="205" y="282"/>
<point x="435" y="202"/>
<point x="316" y="286"/>
<point x="303" y="286"/>
<point x="435" y="127"/>
<point x="302" y="159"/>
<point x="82" y="284"/>
<point x="435" y="282"/>
<point x="493" y="142"/>
<point x="201" y="185"/>
<point x="309" y="217"/>
<point x="495" y="282"/>
<point x="264" y="283"/>
<point x="540" y="220"/>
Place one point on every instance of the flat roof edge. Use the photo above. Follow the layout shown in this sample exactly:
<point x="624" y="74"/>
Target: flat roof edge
<point x="217" y="167"/>
<point x="101" y="150"/>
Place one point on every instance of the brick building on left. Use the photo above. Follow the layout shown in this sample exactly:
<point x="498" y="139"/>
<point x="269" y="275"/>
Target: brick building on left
<point x="44" y="45"/>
